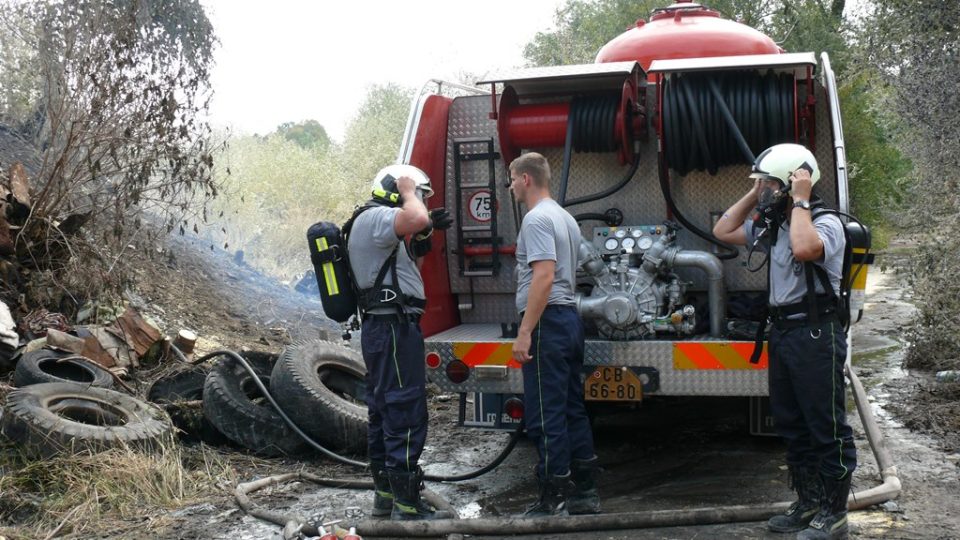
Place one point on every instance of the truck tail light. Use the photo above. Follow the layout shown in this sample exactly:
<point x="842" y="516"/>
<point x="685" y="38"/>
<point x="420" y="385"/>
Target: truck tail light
<point x="514" y="408"/>
<point x="457" y="371"/>
<point x="433" y="360"/>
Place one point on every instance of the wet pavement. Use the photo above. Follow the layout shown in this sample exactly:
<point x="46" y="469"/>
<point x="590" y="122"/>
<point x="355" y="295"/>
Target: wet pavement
<point x="674" y="453"/>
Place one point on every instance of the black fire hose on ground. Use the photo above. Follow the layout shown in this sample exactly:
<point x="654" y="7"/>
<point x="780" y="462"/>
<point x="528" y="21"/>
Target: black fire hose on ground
<point x="515" y="436"/>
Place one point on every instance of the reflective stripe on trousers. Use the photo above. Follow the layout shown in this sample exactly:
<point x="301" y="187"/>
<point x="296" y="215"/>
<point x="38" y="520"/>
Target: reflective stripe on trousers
<point x="395" y="392"/>
<point x="554" y="411"/>
<point x="807" y="397"/>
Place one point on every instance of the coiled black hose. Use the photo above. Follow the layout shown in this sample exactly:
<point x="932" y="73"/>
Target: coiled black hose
<point x="703" y="133"/>
<point x="514" y="437"/>
<point x="590" y="128"/>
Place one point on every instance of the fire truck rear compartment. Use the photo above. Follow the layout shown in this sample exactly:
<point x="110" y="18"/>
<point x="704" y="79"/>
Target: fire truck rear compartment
<point x="698" y="364"/>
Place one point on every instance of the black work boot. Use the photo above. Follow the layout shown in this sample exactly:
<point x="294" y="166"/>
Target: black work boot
<point x="382" y="494"/>
<point x="407" y="504"/>
<point x="584" y="498"/>
<point x="806" y="482"/>
<point x="830" y="523"/>
<point x="553" y="496"/>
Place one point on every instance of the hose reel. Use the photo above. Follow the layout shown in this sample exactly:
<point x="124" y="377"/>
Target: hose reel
<point x="596" y="121"/>
<point x="697" y="131"/>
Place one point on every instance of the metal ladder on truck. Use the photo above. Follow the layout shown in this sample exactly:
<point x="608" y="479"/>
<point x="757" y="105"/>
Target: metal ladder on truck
<point x="473" y="241"/>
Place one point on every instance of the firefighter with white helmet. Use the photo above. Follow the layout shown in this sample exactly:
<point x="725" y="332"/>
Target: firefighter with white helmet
<point x="807" y="345"/>
<point x="391" y="300"/>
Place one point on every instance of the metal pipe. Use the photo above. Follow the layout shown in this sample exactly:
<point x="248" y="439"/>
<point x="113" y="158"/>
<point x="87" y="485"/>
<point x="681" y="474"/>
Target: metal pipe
<point x="589" y="259"/>
<point x="716" y="296"/>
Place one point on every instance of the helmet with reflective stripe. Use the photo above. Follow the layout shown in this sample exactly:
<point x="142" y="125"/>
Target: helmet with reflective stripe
<point x="778" y="163"/>
<point x="384" y="187"/>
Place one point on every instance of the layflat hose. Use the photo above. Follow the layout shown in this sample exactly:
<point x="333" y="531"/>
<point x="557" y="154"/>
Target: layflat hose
<point x="515" y="436"/>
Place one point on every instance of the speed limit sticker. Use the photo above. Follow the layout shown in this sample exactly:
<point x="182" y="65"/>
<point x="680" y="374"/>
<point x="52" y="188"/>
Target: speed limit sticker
<point x="480" y="206"/>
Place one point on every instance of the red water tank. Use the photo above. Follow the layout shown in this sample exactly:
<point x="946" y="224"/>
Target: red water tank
<point x="685" y="30"/>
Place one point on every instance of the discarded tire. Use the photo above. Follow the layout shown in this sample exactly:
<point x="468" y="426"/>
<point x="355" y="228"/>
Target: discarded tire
<point x="52" y="418"/>
<point x="49" y="366"/>
<point x="172" y="390"/>
<point x="182" y="385"/>
<point x="322" y="389"/>
<point x="236" y="407"/>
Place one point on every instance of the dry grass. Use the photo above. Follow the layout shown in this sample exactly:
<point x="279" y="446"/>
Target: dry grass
<point x="76" y="495"/>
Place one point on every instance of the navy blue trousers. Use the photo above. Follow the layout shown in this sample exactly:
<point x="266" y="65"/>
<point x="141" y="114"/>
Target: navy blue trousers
<point x="555" y="416"/>
<point x="807" y="397"/>
<point x="396" y="392"/>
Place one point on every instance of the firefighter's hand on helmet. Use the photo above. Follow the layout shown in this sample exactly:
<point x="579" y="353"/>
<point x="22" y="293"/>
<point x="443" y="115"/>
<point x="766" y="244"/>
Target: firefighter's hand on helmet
<point x="801" y="185"/>
<point x="406" y="185"/>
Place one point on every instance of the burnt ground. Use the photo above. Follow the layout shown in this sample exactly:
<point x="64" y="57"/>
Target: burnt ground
<point x="671" y="453"/>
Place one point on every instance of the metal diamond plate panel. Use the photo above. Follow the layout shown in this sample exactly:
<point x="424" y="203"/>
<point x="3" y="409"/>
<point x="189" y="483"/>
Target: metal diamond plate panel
<point x="697" y="195"/>
<point x="659" y="355"/>
<point x="655" y="354"/>
<point x="469" y="120"/>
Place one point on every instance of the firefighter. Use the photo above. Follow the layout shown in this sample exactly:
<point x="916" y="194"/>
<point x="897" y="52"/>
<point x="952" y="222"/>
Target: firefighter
<point x="807" y="345"/>
<point x="391" y="300"/>
<point x="549" y="345"/>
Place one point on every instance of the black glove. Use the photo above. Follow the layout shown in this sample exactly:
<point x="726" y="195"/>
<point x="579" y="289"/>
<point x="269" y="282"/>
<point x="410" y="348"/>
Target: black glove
<point x="440" y="219"/>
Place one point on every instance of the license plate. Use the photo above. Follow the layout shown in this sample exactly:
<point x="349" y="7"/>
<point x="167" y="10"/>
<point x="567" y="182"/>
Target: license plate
<point x="612" y="384"/>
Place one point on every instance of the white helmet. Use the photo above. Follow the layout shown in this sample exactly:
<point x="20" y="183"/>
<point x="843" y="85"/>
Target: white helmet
<point x="385" y="182"/>
<point x="778" y="163"/>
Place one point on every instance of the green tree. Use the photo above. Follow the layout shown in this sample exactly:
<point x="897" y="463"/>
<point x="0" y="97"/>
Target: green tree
<point x="373" y="137"/>
<point x="879" y="173"/>
<point x="915" y="46"/>
<point x="274" y="188"/>
<point x="307" y="134"/>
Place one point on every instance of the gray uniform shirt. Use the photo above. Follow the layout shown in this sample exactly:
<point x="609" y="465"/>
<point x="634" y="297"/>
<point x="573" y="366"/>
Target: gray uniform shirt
<point x="372" y="239"/>
<point x="548" y="233"/>
<point x="788" y="282"/>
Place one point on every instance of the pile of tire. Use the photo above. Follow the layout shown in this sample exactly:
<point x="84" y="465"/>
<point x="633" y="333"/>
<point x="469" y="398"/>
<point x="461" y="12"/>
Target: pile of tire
<point x="319" y="386"/>
<point x="62" y="404"/>
<point x="66" y="404"/>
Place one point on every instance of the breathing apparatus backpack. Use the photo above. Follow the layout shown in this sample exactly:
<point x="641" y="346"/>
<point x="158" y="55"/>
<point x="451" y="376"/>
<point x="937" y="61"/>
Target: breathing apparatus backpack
<point x="856" y="254"/>
<point x="339" y="293"/>
<point x="331" y="264"/>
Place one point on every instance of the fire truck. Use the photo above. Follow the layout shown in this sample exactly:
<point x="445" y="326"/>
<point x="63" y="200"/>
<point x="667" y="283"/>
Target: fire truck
<point x="648" y="146"/>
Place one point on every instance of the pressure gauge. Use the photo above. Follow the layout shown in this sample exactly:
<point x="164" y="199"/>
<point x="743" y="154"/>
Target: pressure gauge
<point x="628" y="243"/>
<point x="645" y="243"/>
<point x="636" y="233"/>
<point x="611" y="244"/>
<point x="620" y="233"/>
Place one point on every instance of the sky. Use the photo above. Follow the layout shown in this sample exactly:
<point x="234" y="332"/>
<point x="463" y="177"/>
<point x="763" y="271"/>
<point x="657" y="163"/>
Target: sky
<point x="290" y="60"/>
